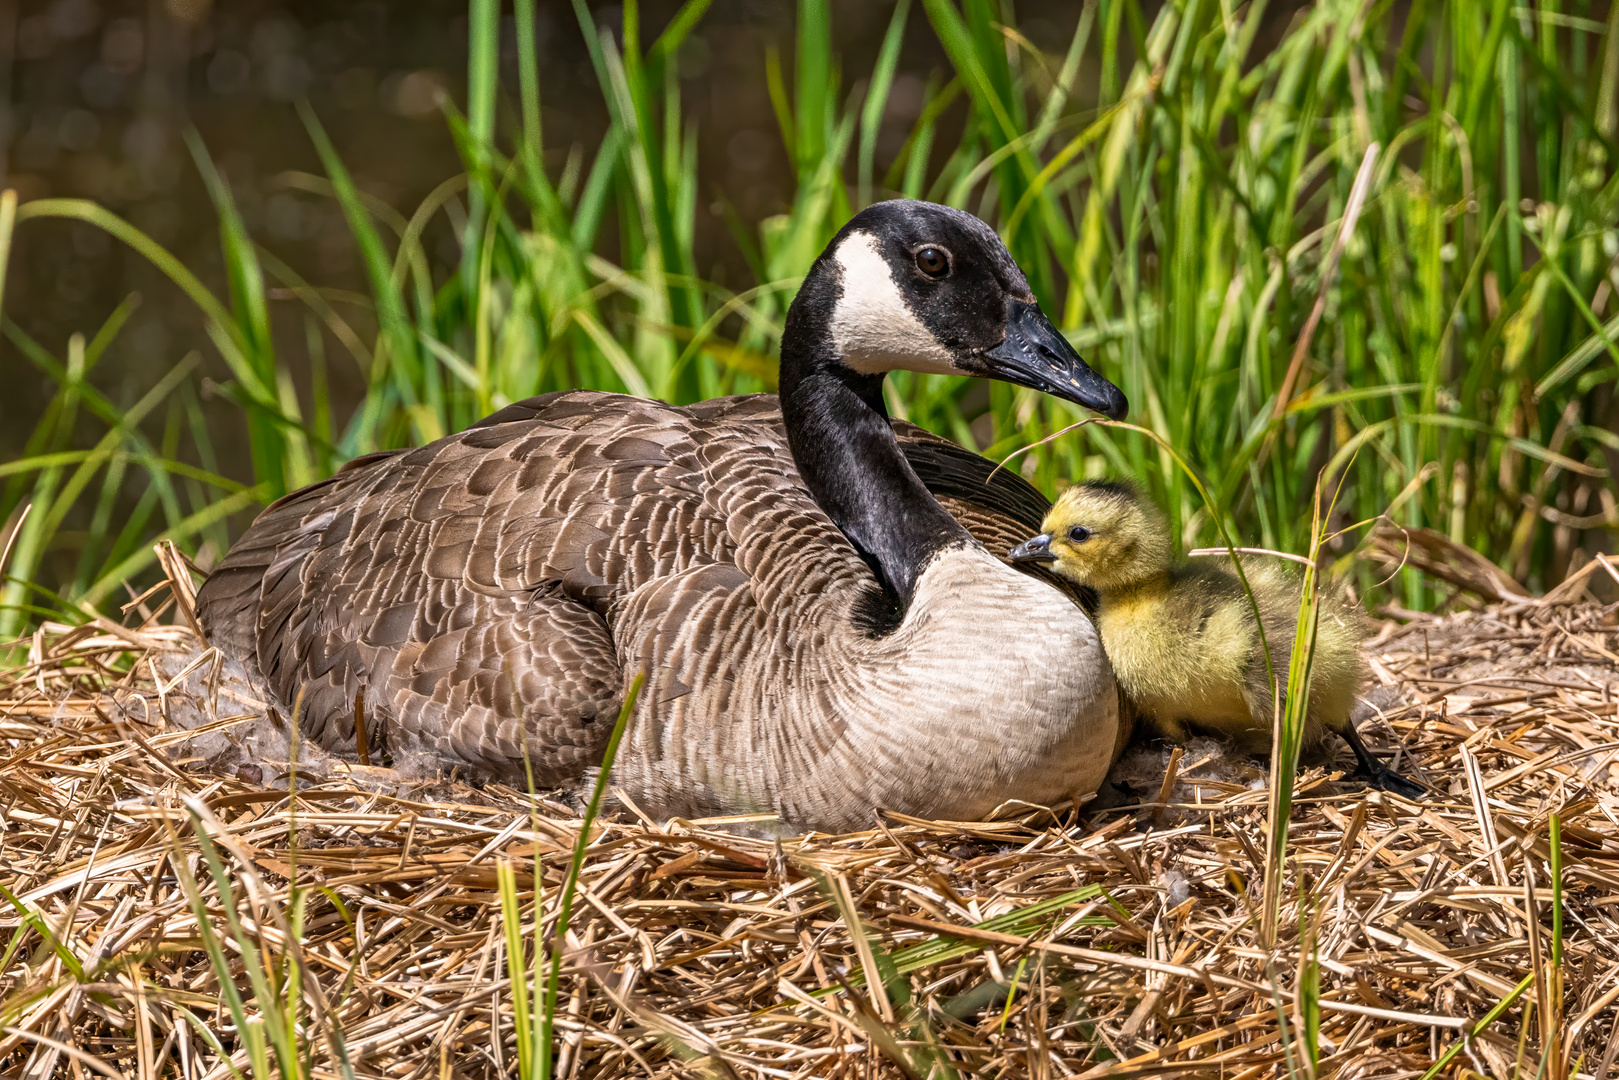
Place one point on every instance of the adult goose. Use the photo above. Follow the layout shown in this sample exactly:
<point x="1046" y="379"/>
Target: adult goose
<point x="821" y="636"/>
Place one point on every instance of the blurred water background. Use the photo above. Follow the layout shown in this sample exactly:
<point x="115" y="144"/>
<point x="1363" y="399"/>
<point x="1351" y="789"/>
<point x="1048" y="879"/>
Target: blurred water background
<point x="99" y="92"/>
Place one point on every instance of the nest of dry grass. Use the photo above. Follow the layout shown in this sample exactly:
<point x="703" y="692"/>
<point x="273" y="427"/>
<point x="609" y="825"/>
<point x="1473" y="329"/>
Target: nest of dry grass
<point x="1122" y="942"/>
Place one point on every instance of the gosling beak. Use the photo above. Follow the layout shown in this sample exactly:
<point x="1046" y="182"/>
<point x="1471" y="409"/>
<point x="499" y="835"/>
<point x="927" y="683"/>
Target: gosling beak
<point x="1035" y="549"/>
<point x="1035" y="355"/>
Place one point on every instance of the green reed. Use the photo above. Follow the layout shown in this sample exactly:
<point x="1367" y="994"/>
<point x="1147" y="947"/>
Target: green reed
<point x="1177" y="196"/>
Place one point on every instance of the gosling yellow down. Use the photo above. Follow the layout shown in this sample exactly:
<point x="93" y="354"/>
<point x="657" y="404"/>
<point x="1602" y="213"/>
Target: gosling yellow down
<point x="1182" y="637"/>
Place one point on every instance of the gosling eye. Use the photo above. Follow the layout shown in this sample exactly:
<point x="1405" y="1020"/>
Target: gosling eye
<point x="1079" y="534"/>
<point x="933" y="261"/>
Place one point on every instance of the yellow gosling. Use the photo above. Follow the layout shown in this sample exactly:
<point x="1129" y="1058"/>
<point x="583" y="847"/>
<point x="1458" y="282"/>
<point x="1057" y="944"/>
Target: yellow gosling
<point x="1182" y="637"/>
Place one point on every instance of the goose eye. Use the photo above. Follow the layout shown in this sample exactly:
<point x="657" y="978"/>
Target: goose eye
<point x="1079" y="534"/>
<point x="933" y="262"/>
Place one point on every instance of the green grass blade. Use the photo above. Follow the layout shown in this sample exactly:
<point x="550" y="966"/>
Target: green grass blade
<point x="399" y="360"/>
<point x="247" y="1030"/>
<point x="273" y="1008"/>
<point x="1444" y="1059"/>
<point x="245" y="281"/>
<point x="8" y="225"/>
<point x="812" y="98"/>
<point x="483" y="70"/>
<point x="516" y="969"/>
<point x="34" y="921"/>
<point x="548" y="1007"/>
<point x="882" y="81"/>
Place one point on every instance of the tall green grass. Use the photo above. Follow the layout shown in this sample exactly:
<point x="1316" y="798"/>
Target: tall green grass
<point x="534" y="989"/>
<point x="1174" y="179"/>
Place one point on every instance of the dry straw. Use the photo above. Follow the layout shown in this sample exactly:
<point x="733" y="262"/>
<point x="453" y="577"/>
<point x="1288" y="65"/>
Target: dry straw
<point x="365" y="934"/>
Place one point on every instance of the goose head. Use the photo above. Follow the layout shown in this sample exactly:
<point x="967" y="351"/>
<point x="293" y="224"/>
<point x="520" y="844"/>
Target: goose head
<point x="921" y="287"/>
<point x="1102" y="534"/>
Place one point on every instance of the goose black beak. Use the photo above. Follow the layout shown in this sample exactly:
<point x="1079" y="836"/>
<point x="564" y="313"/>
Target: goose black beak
<point x="1035" y="549"/>
<point x="1035" y="355"/>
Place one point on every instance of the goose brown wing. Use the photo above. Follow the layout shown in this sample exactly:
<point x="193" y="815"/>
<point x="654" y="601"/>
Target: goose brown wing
<point x="468" y="585"/>
<point x="952" y="471"/>
<point x="999" y="507"/>
<point x="465" y="584"/>
<point x="475" y="587"/>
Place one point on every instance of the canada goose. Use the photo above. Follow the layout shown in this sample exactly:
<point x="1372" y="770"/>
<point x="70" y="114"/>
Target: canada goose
<point x="1182" y="638"/>
<point x="822" y="637"/>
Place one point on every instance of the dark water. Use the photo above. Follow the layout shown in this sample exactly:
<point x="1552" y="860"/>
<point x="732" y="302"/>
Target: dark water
<point x="99" y="93"/>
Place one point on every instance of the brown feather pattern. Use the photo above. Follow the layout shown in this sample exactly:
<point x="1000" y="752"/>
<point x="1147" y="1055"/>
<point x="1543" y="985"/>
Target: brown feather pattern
<point x="495" y="592"/>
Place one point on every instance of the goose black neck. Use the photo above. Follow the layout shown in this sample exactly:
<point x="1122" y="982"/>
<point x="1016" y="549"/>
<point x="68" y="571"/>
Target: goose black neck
<point x="851" y="462"/>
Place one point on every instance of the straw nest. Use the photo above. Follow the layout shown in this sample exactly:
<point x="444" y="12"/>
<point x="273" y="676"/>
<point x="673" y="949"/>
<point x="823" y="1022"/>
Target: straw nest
<point x="1116" y="942"/>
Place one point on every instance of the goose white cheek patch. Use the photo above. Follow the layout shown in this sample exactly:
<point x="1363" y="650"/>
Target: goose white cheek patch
<point x="872" y="327"/>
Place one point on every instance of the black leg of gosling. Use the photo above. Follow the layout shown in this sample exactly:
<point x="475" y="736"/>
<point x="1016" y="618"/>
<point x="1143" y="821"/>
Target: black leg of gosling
<point x="1375" y="773"/>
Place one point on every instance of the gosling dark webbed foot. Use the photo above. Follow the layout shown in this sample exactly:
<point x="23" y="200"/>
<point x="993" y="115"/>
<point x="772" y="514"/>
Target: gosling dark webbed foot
<point x="1384" y="778"/>
<point x="1375" y="773"/>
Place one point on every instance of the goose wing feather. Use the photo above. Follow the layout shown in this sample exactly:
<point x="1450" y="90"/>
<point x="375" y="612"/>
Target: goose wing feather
<point x="999" y="496"/>
<point x="492" y="590"/>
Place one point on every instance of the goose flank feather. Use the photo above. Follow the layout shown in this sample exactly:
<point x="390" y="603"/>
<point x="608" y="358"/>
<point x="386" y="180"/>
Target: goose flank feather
<point x="822" y="637"/>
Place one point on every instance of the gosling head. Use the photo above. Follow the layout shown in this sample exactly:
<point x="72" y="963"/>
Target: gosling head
<point x="922" y="287"/>
<point x="1102" y="534"/>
